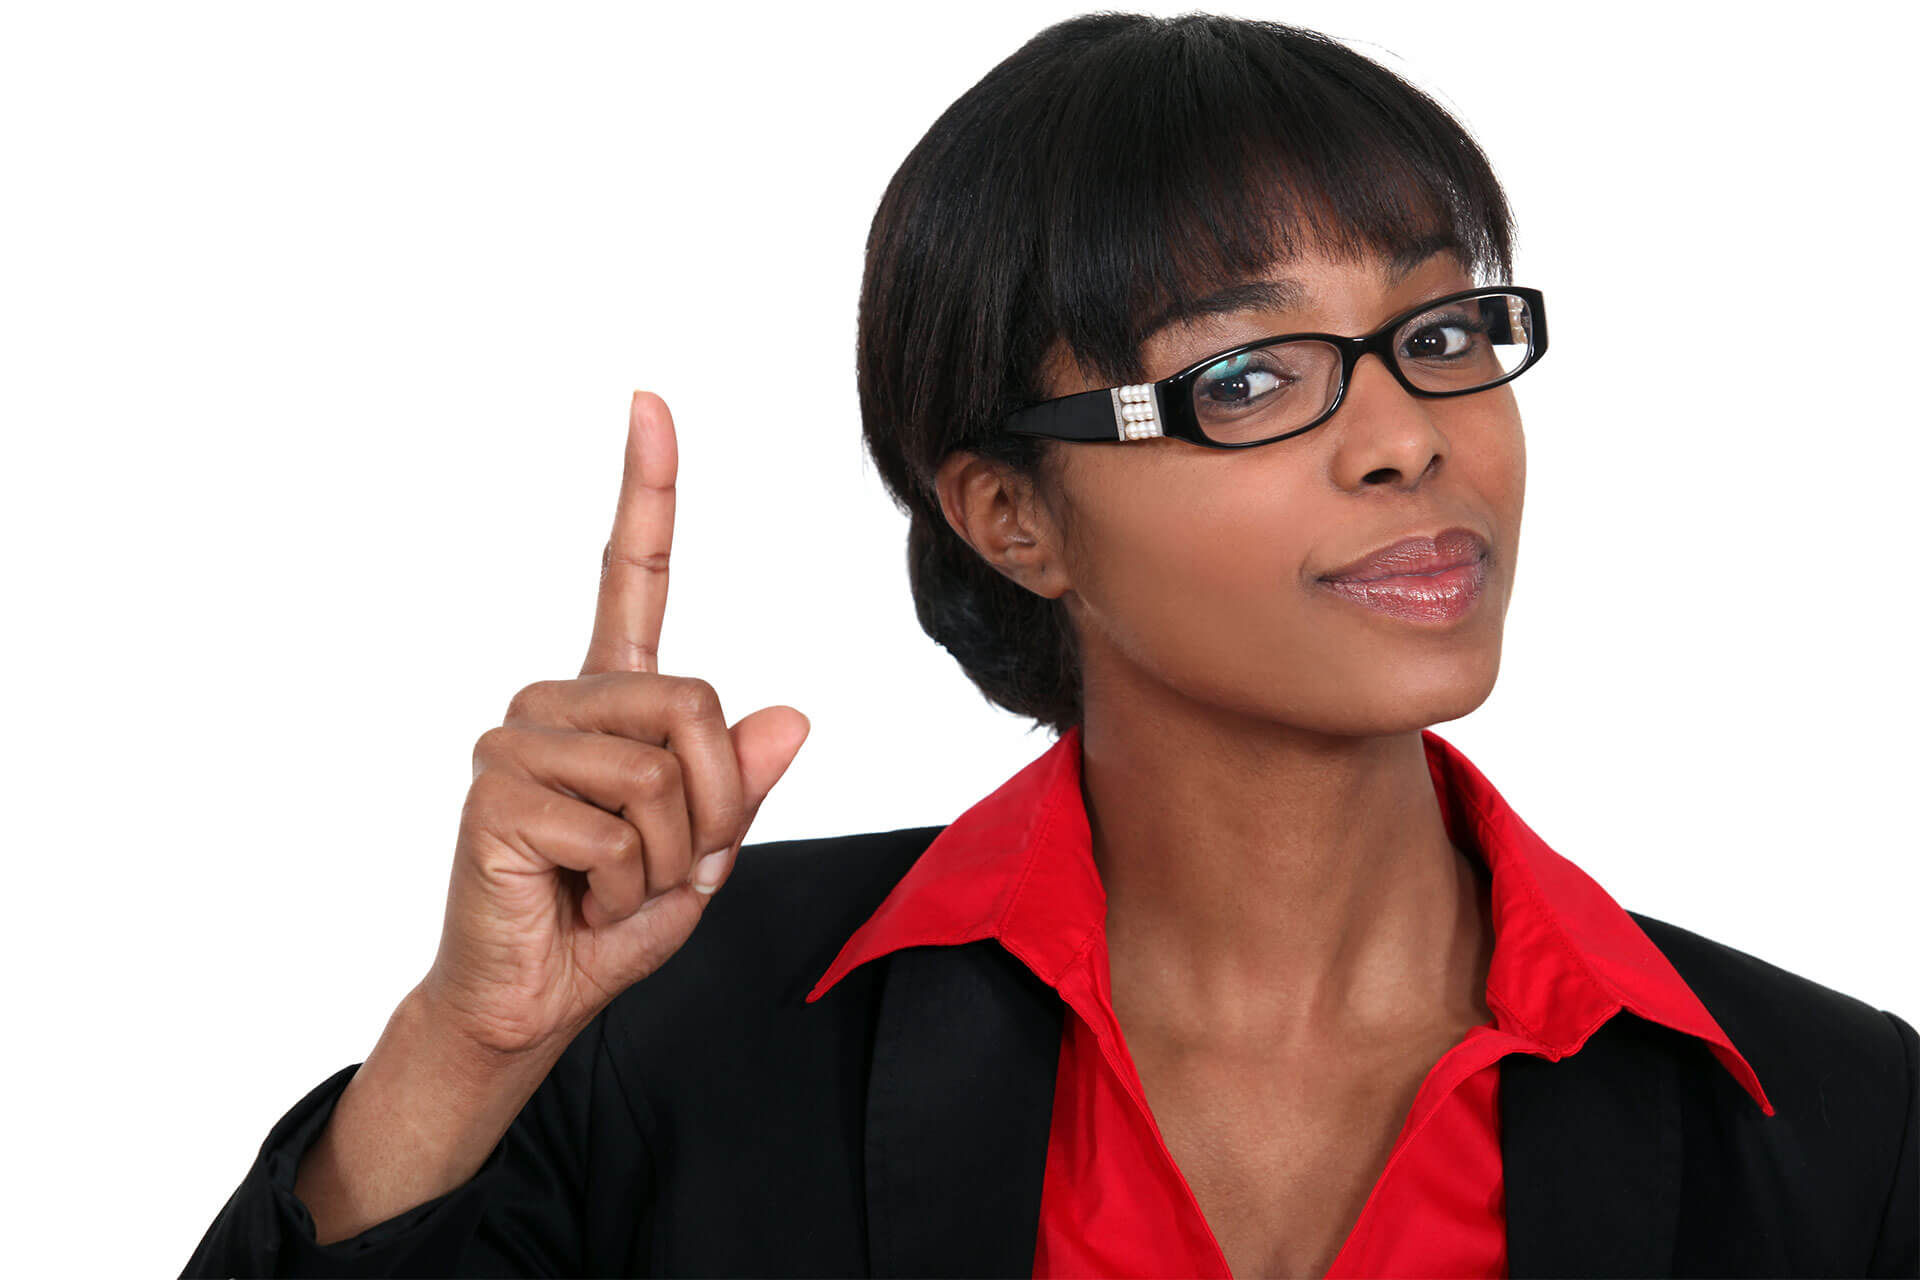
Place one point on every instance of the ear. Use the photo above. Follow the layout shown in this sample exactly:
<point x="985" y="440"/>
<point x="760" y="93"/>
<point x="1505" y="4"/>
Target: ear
<point x="1003" y="517"/>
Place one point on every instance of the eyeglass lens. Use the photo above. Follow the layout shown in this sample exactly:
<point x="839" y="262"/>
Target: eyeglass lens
<point x="1269" y="391"/>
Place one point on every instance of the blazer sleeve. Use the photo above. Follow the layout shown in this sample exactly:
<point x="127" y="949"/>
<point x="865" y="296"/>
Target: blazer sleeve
<point x="523" y="1213"/>
<point x="1897" y="1251"/>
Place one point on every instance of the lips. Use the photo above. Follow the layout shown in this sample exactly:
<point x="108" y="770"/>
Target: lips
<point x="1418" y="556"/>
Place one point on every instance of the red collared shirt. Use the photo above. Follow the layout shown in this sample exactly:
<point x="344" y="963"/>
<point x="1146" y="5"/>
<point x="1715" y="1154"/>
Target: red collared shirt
<point x="1018" y="866"/>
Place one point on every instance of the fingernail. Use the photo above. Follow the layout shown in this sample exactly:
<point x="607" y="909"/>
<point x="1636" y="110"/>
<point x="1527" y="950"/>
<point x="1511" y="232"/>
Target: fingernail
<point x="707" y="871"/>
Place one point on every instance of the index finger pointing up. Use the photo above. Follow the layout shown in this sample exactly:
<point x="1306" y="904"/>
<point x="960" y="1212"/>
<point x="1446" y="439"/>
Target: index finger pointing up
<point x="633" y="568"/>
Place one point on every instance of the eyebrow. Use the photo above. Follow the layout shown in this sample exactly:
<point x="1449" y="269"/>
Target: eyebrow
<point x="1286" y="294"/>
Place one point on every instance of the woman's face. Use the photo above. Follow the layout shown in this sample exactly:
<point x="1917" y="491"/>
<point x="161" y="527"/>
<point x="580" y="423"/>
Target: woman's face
<point x="1197" y="571"/>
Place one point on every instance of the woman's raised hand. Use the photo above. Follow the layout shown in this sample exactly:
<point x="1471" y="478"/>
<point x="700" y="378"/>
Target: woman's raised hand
<point x="596" y="800"/>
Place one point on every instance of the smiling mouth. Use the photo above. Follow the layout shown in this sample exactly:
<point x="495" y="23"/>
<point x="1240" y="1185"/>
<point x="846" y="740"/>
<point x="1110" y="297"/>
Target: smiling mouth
<point x="1439" y="596"/>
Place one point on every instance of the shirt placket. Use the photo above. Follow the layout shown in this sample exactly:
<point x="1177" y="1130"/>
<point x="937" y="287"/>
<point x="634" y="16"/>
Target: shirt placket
<point x="1089" y="999"/>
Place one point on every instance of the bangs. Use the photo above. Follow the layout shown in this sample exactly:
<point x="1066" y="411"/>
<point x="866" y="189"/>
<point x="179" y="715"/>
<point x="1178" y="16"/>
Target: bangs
<point x="1172" y="169"/>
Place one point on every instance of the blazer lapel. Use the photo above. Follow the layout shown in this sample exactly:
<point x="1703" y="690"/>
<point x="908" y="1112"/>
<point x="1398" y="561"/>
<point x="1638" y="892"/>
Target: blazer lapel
<point x="1591" y="1149"/>
<point x="960" y="1107"/>
<point x="959" y="1110"/>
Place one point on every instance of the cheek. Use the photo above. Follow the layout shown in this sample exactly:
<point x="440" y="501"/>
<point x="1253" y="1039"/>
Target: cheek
<point x="1494" y="477"/>
<point x="1205" y="578"/>
<point x="1491" y="452"/>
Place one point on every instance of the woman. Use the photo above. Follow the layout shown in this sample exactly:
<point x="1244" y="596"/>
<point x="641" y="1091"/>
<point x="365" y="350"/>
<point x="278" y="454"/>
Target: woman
<point x="1188" y="347"/>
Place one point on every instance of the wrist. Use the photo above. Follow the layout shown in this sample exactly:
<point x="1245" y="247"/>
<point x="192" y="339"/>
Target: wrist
<point x="477" y="1072"/>
<point x="416" y="1120"/>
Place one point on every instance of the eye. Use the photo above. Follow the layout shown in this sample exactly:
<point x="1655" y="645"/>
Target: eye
<point x="1443" y="337"/>
<point x="1243" y="380"/>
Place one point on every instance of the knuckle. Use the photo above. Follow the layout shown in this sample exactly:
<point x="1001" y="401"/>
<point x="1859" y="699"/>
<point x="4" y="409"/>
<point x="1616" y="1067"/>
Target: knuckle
<point x="657" y="774"/>
<point x="619" y="842"/>
<point x="653" y="562"/>
<point x="490" y="748"/>
<point x="527" y="703"/>
<point x="695" y="698"/>
<point x="634" y="653"/>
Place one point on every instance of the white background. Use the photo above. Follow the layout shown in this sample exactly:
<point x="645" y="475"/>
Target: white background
<point x="318" y="335"/>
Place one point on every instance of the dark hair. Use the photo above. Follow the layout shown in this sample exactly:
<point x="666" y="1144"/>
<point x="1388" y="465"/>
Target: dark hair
<point x="1112" y="169"/>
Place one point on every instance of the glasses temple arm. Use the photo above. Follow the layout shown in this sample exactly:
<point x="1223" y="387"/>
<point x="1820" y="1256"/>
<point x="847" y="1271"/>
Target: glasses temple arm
<point x="1087" y="415"/>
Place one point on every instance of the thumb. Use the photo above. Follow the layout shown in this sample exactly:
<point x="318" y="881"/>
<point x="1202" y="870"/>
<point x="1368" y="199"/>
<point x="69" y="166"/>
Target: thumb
<point x="766" y="743"/>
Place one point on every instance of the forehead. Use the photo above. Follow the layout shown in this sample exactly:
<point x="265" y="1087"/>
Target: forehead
<point x="1317" y="284"/>
<point x="1310" y="290"/>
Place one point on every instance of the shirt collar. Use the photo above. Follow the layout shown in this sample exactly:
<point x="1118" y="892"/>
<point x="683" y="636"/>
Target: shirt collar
<point x="1018" y="866"/>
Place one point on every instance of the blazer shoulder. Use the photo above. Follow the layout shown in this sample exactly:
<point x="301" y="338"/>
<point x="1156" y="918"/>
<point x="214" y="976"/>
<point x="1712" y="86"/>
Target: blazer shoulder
<point x="1755" y="997"/>
<point x="1819" y="1053"/>
<point x="773" y="927"/>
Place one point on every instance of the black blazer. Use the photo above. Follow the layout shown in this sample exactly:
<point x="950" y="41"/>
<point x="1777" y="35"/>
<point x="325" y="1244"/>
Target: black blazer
<point x="711" y="1122"/>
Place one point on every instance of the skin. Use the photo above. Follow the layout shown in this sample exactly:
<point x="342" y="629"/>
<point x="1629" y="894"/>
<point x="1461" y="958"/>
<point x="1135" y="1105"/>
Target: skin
<point x="1280" y="887"/>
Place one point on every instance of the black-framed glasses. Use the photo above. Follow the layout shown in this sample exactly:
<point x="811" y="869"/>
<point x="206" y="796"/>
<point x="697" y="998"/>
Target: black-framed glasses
<point x="1273" y="388"/>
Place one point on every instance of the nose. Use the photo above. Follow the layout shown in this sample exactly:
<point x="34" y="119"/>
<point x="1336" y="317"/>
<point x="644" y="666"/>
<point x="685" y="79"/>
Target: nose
<point x="1384" y="436"/>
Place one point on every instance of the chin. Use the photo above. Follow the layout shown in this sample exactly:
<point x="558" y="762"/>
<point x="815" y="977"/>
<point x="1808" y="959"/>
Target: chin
<point x="1358" y="704"/>
<point x="1361" y="704"/>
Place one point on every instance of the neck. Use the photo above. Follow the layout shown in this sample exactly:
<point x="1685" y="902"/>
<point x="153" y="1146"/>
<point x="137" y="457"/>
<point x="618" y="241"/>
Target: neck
<point x="1266" y="884"/>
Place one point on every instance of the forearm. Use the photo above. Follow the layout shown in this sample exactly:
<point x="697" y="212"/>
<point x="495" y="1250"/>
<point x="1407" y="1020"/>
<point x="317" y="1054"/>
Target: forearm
<point x="418" y="1119"/>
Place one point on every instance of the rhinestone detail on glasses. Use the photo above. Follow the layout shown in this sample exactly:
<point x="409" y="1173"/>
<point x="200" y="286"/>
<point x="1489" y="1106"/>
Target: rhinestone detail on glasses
<point x="1134" y="412"/>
